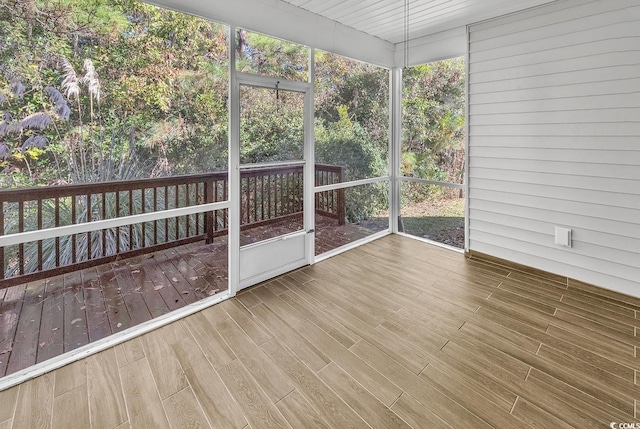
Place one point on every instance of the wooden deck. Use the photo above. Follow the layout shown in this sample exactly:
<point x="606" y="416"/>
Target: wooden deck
<point x="43" y="319"/>
<point x="393" y="334"/>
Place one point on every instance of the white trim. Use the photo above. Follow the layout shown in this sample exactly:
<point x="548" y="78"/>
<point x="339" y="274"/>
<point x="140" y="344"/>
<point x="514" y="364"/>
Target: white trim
<point x="352" y="245"/>
<point x="351" y="184"/>
<point x="98" y="225"/>
<point x="234" y="167"/>
<point x="432" y="182"/>
<point x="395" y="146"/>
<point x="109" y="341"/>
<point x="270" y="164"/>
<point x="259" y="81"/>
<point x="467" y="158"/>
<point x="282" y="237"/>
<point x="310" y="158"/>
<point x="434" y="243"/>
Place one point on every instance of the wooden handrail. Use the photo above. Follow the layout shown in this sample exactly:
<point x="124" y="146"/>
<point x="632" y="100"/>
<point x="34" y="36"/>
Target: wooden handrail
<point x="268" y="195"/>
<point x="57" y="191"/>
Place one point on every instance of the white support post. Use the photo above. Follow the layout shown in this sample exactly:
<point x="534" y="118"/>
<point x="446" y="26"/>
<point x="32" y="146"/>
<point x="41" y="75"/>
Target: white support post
<point x="466" y="148"/>
<point x="234" y="168"/>
<point x="309" y="156"/>
<point x="395" y="145"/>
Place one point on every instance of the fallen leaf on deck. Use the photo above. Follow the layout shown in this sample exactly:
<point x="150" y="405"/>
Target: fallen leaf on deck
<point x="42" y="344"/>
<point x="135" y="271"/>
<point x="118" y="325"/>
<point x="5" y="351"/>
<point x="193" y="278"/>
<point x="186" y="292"/>
<point x="54" y="329"/>
<point x="138" y="289"/>
<point x="158" y="287"/>
<point x="74" y="321"/>
<point x="83" y="307"/>
<point x="175" y="280"/>
<point x="213" y="292"/>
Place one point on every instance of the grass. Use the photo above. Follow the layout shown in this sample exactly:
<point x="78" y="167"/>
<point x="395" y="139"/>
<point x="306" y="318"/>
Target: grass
<point x="440" y="220"/>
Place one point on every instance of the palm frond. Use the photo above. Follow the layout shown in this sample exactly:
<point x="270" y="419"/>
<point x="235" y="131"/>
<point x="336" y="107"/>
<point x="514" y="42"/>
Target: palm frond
<point x="61" y="107"/>
<point x="35" y="141"/>
<point x="16" y="86"/>
<point x="8" y="126"/>
<point x="36" y="121"/>
<point x="5" y="152"/>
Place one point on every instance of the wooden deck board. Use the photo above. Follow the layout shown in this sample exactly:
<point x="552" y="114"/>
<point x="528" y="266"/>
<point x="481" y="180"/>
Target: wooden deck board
<point x="117" y="312"/>
<point x="143" y="286"/>
<point x="25" y="344"/>
<point x="136" y="305"/>
<point x="9" y="318"/>
<point x="51" y="341"/>
<point x="76" y="333"/>
<point x="175" y="279"/>
<point x="160" y="285"/>
<point x="204" y="284"/>
<point x="294" y="352"/>
<point x="97" y="318"/>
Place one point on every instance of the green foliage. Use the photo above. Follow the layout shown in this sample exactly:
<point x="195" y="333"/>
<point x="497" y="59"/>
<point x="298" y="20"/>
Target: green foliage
<point x="362" y="88"/>
<point x="352" y="128"/>
<point x="162" y="98"/>
<point x="271" y="125"/>
<point x="348" y="144"/>
<point x="268" y="56"/>
<point x="366" y="201"/>
<point x="166" y="103"/>
<point x="433" y="121"/>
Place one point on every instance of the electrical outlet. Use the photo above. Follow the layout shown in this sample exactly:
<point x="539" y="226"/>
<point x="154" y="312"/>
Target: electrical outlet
<point x="563" y="236"/>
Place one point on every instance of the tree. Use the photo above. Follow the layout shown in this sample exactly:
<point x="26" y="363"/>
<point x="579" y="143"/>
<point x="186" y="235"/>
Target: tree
<point x="433" y="121"/>
<point x="167" y="103"/>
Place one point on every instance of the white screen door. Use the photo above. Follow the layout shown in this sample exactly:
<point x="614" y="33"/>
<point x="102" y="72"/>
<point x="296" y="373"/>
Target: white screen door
<point x="274" y="173"/>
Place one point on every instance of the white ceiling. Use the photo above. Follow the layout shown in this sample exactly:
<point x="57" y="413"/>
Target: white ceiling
<point x="367" y="30"/>
<point x="385" y="18"/>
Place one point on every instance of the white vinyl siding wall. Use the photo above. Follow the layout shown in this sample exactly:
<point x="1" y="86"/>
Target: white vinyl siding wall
<point x="554" y="139"/>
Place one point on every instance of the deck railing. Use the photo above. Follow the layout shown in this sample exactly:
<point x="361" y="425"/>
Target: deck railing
<point x="330" y="203"/>
<point x="268" y="195"/>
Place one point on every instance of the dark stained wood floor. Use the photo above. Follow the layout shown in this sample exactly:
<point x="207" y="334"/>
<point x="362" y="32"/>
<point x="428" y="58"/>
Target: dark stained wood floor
<point x="393" y="334"/>
<point x="44" y="319"/>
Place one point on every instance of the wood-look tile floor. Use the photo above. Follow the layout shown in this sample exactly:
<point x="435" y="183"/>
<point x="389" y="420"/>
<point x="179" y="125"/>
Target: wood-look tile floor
<point x="393" y="334"/>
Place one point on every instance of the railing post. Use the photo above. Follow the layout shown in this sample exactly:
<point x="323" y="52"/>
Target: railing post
<point x="209" y="220"/>
<point x="341" y="195"/>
